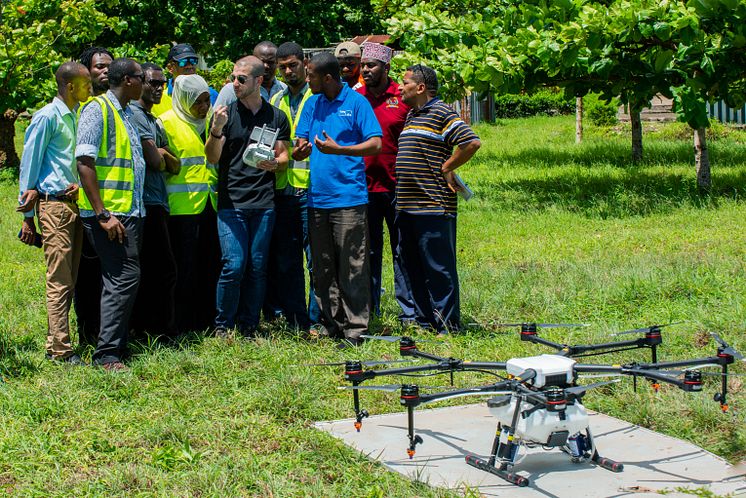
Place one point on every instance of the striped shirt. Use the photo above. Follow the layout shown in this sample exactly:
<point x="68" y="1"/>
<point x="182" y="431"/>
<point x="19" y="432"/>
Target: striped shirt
<point x="427" y="141"/>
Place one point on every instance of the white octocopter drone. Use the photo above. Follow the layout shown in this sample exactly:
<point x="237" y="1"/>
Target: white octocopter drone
<point x="539" y="400"/>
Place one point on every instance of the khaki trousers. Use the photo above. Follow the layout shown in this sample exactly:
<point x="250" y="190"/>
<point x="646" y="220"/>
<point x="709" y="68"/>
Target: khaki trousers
<point x="62" y="233"/>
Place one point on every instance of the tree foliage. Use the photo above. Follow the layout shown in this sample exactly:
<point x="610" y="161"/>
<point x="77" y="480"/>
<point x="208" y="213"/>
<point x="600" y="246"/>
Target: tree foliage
<point x="691" y="50"/>
<point x="228" y="30"/>
<point x="36" y="36"/>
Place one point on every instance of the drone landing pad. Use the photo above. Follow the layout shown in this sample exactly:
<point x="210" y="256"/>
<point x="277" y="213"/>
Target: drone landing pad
<point x="653" y="462"/>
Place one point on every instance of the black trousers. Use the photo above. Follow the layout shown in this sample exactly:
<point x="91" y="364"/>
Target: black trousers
<point x="87" y="295"/>
<point x="154" y="308"/>
<point x="428" y="261"/>
<point x="120" y="272"/>
<point x="194" y="239"/>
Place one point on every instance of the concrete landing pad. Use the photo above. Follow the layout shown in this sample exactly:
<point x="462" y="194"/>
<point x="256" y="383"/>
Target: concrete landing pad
<point x="652" y="462"/>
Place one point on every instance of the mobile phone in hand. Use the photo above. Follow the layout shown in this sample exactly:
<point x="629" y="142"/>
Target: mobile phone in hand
<point x="37" y="238"/>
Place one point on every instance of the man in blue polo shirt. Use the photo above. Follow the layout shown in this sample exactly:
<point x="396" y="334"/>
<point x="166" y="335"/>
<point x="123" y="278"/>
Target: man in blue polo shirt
<point x="337" y="128"/>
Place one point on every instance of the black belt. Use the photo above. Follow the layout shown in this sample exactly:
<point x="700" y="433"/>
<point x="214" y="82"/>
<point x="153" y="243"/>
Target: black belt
<point x="58" y="198"/>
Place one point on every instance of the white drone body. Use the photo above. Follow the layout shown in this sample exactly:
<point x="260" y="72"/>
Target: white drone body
<point x="541" y="426"/>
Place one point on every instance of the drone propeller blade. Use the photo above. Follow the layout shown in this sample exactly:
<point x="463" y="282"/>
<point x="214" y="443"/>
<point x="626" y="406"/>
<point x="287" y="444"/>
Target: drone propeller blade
<point x="600" y="376"/>
<point x="388" y="388"/>
<point x="580" y="390"/>
<point x="543" y="325"/>
<point x="645" y="330"/>
<point x="727" y="349"/>
<point x="371" y="363"/>
<point x="387" y="338"/>
<point x="391" y="338"/>
<point x="558" y="325"/>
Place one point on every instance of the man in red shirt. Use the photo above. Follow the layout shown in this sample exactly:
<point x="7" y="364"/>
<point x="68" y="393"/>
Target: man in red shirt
<point x="383" y="94"/>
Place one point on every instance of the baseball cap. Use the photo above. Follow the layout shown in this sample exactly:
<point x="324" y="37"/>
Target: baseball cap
<point x="181" y="51"/>
<point x="347" y="49"/>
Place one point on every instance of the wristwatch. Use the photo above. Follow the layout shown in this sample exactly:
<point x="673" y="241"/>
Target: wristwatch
<point x="104" y="215"/>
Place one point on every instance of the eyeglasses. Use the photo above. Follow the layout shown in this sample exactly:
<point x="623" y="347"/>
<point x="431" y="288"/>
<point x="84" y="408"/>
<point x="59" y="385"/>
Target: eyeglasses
<point x="140" y="76"/>
<point x="156" y="83"/>
<point x="191" y="61"/>
<point x="241" y="78"/>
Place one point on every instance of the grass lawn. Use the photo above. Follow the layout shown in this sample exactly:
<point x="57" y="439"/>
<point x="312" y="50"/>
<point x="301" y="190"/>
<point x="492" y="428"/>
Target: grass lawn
<point x="557" y="232"/>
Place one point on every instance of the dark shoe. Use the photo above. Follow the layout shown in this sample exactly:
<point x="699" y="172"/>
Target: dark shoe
<point x="115" y="366"/>
<point x="220" y="332"/>
<point x="73" y="359"/>
<point x="247" y="332"/>
<point x="350" y="342"/>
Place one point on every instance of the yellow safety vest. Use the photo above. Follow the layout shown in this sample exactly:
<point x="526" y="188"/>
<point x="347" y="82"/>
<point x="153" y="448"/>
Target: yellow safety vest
<point x="114" y="167"/>
<point x="297" y="172"/>
<point x="166" y="103"/>
<point x="197" y="180"/>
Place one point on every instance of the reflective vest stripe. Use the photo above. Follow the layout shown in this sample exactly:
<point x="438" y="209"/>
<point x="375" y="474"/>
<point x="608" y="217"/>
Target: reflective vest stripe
<point x="193" y="161"/>
<point x="187" y="187"/>
<point x="114" y="185"/>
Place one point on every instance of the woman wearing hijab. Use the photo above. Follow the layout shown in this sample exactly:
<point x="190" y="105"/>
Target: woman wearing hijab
<point x="192" y="202"/>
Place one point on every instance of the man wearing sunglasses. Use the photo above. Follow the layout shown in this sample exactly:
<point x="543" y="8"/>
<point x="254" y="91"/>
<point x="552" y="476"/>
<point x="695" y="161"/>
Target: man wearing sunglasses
<point x="246" y="213"/>
<point x="112" y="172"/>
<point x="182" y="59"/>
<point x="154" y="307"/>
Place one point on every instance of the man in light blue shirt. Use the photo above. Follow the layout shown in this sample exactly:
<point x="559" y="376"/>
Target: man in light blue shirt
<point x="49" y="187"/>
<point x="115" y="234"/>
<point x="337" y="128"/>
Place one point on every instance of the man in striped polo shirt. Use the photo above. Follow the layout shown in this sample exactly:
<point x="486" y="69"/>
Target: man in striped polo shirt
<point x="426" y="198"/>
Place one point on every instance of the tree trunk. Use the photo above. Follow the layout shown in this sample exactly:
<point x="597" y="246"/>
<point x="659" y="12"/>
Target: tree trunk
<point x="634" y="119"/>
<point x="8" y="155"/>
<point x="702" y="159"/>
<point x="578" y="120"/>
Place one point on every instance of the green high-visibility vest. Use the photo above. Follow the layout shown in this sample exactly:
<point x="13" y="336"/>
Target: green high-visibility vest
<point x="114" y="166"/>
<point x="297" y="172"/>
<point x="197" y="180"/>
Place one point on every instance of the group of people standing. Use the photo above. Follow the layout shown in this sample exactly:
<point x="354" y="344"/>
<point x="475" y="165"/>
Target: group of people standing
<point x="155" y="217"/>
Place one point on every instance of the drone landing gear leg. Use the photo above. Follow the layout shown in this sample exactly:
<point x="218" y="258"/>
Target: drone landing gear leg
<point x="504" y="450"/>
<point x="414" y="440"/>
<point x="721" y="397"/>
<point x="359" y="414"/>
<point x="606" y="463"/>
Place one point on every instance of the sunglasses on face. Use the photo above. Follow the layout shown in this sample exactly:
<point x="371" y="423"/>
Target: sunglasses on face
<point x="156" y="83"/>
<point x="188" y="61"/>
<point x="241" y="78"/>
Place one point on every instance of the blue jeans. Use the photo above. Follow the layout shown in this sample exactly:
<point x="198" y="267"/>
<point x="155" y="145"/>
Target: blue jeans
<point x="244" y="242"/>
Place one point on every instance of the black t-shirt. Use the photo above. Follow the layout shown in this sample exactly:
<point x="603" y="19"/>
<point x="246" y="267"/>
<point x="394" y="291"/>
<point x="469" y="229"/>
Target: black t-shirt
<point x="241" y="186"/>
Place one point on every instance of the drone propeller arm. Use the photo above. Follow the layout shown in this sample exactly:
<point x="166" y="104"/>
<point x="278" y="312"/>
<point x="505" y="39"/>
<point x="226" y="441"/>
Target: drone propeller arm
<point x="498" y="387"/>
<point x="711" y="360"/>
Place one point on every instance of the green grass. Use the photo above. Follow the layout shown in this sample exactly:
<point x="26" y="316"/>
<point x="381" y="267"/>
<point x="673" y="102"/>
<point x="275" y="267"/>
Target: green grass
<point x="557" y="232"/>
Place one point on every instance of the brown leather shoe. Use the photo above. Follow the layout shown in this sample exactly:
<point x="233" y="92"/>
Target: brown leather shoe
<point x="115" y="366"/>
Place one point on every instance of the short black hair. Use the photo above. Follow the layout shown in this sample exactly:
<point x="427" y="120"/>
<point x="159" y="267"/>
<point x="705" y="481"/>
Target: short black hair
<point x="325" y="63"/>
<point x="120" y="68"/>
<point x="149" y="66"/>
<point x="86" y="58"/>
<point x="67" y="72"/>
<point x="264" y="44"/>
<point x="426" y="75"/>
<point x="290" y="48"/>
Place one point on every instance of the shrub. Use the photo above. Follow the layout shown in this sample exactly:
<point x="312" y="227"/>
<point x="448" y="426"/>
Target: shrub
<point x="600" y="112"/>
<point x="544" y="102"/>
<point x="218" y="75"/>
